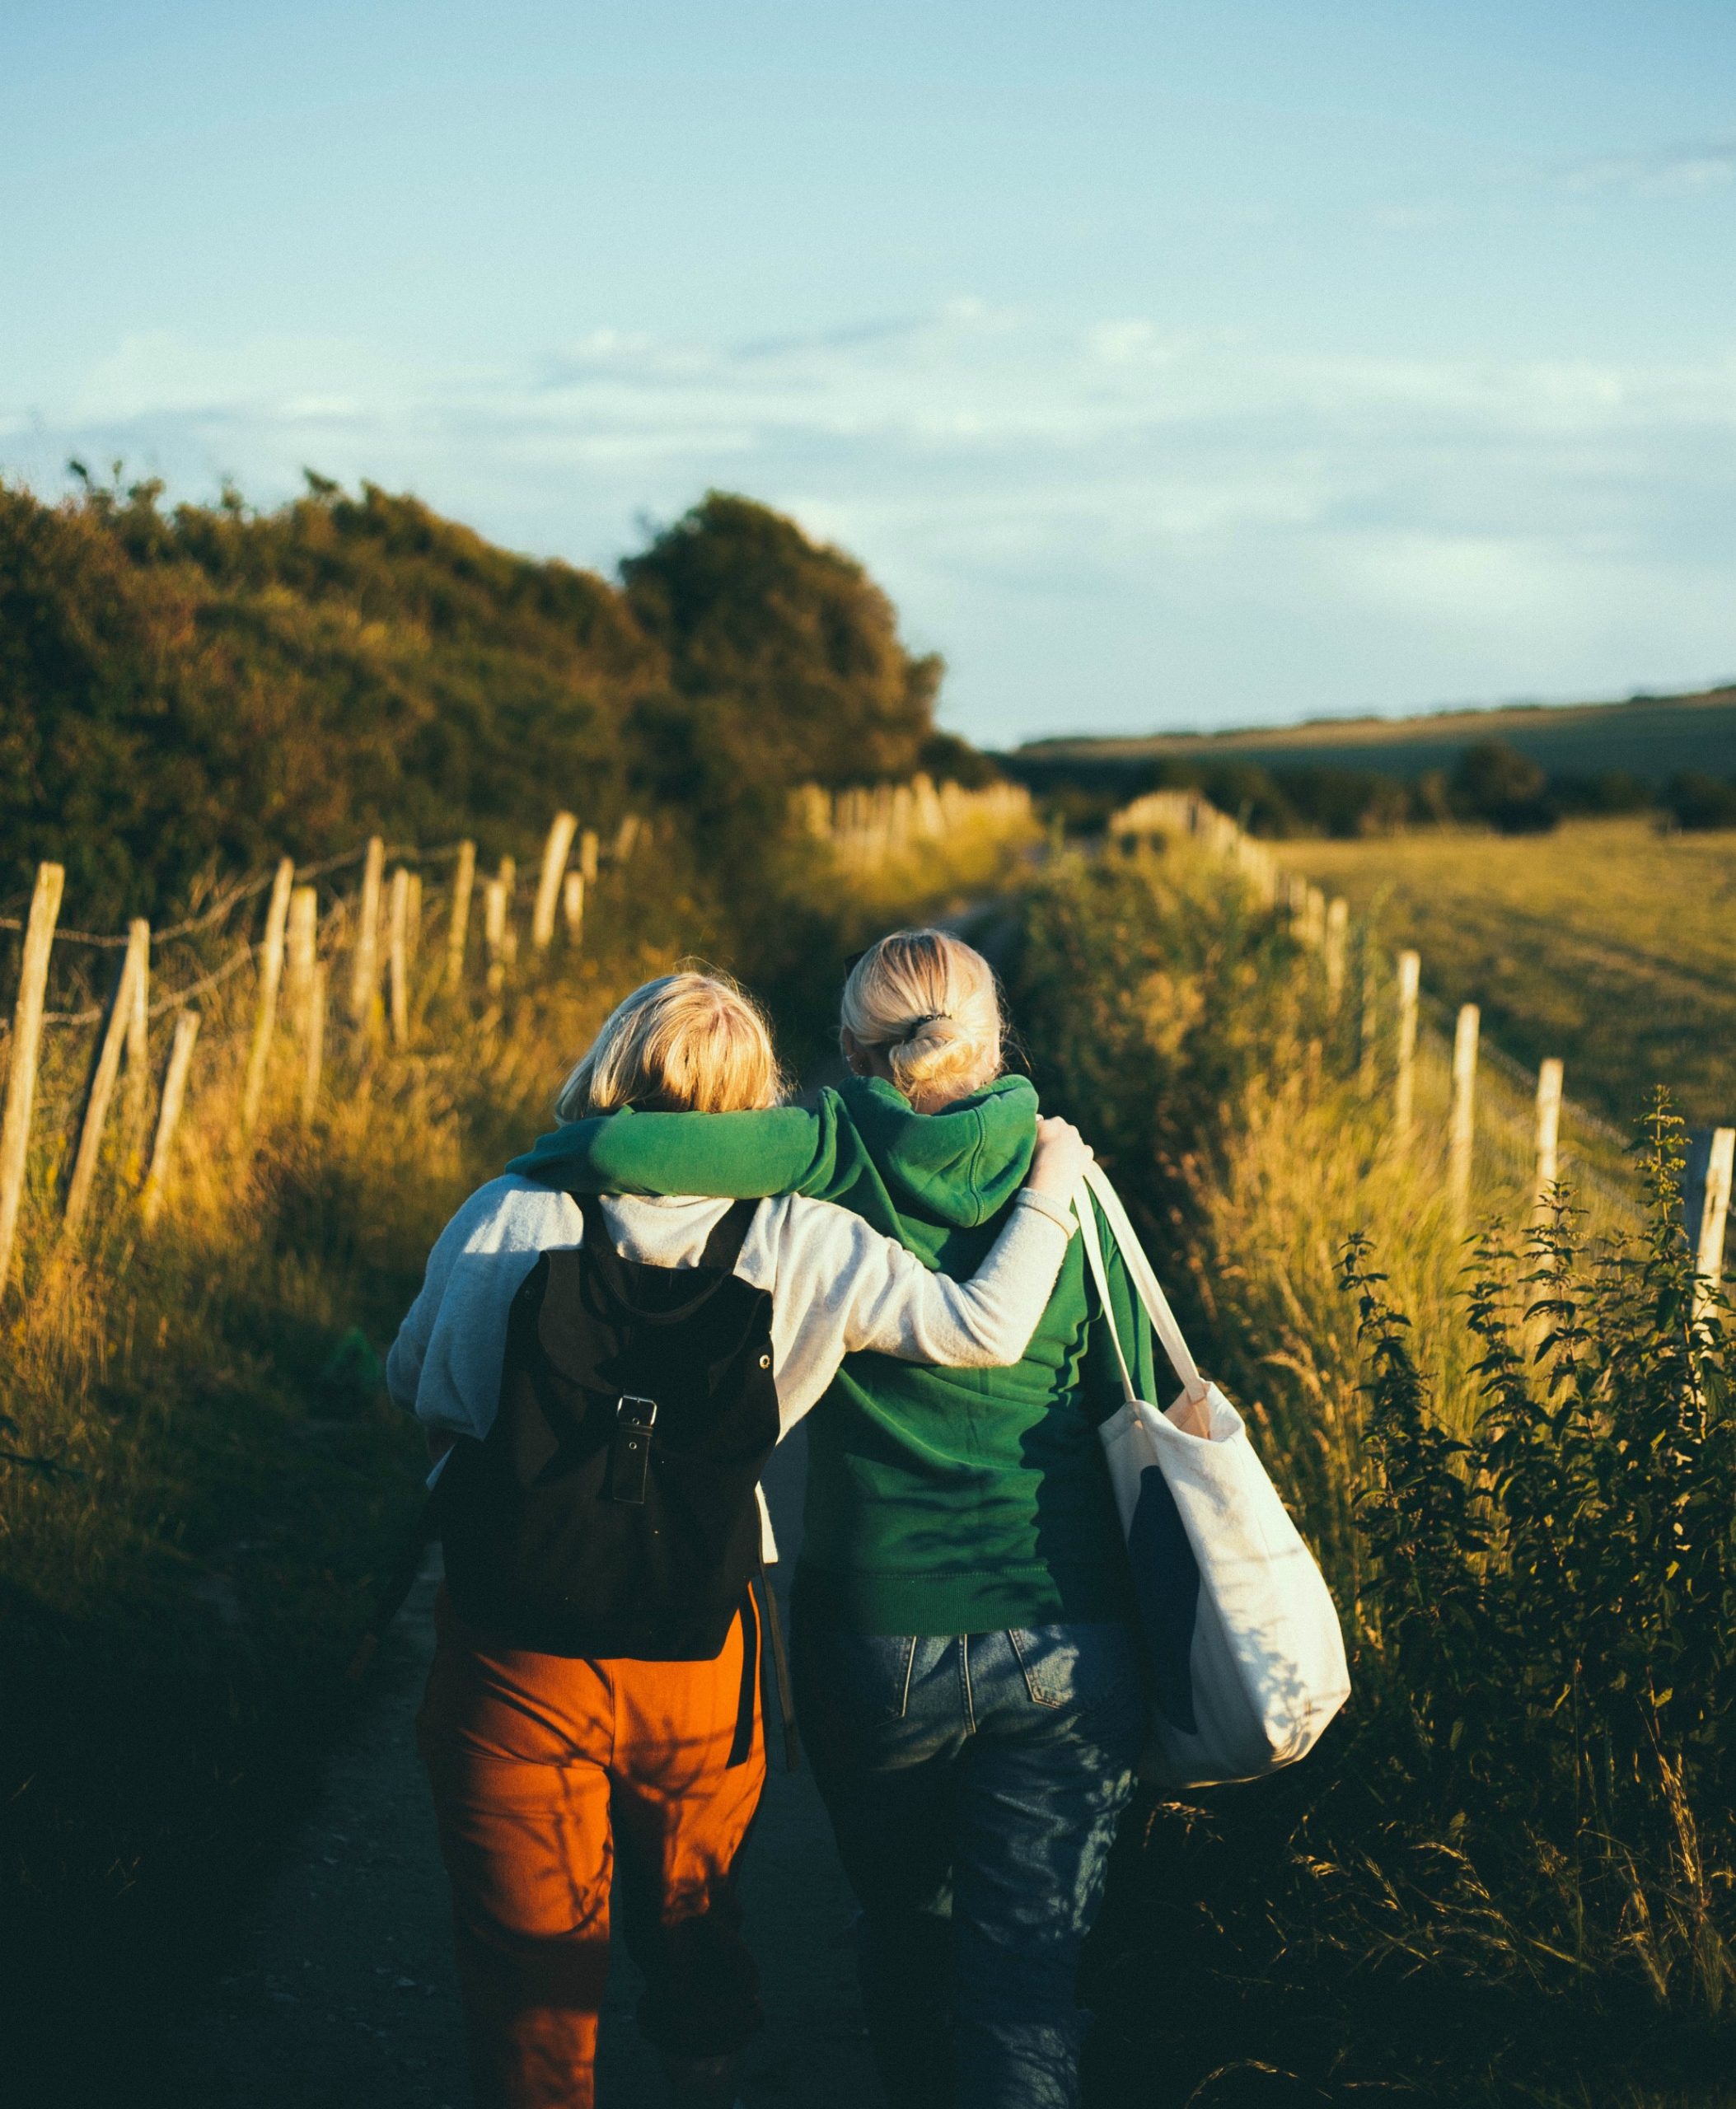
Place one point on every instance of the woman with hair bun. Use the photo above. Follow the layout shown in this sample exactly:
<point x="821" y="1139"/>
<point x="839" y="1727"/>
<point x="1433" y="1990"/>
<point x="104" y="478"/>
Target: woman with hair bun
<point x="600" y="1384"/>
<point x="967" y="1677"/>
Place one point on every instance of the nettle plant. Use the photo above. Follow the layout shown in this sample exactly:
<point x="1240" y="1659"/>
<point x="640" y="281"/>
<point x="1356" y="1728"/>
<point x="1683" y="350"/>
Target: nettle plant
<point x="1549" y="1603"/>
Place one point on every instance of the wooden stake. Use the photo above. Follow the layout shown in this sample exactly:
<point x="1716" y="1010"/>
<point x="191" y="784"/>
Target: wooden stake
<point x="20" y="1075"/>
<point x="302" y="955"/>
<point x="1337" y="929"/>
<point x="573" y="905"/>
<point x="494" y="933"/>
<point x="398" y="958"/>
<point x="413" y="933"/>
<point x="364" y="982"/>
<point x="138" y="1043"/>
<point x="1313" y="917"/>
<point x="114" y="1035"/>
<point x="1463" y="1133"/>
<point x="1369" y="1023"/>
<point x="464" y="879"/>
<point x="313" y="1045"/>
<point x="626" y="835"/>
<point x="508" y="928"/>
<point x="271" y="975"/>
<point x="1404" y="1095"/>
<point x="555" y="854"/>
<point x="168" y="1116"/>
<point x="1708" y="1255"/>
<point x="1549" y="1130"/>
<point x="587" y="856"/>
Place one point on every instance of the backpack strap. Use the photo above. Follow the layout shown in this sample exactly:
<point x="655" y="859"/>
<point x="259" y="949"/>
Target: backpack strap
<point x="716" y="1264"/>
<point x="729" y="1234"/>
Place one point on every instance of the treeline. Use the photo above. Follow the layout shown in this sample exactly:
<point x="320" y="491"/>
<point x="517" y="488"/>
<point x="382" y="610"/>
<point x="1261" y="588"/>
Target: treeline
<point x="1492" y="784"/>
<point x="186" y="692"/>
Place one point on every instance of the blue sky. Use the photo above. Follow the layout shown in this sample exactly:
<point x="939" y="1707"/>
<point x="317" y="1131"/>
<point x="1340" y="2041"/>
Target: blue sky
<point x="1171" y="365"/>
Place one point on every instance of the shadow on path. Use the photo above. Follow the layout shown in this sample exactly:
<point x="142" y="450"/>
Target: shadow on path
<point x="343" y="1994"/>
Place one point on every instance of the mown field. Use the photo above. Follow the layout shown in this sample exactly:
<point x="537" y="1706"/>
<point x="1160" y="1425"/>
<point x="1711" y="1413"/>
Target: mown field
<point x="1607" y="943"/>
<point x="1648" y="737"/>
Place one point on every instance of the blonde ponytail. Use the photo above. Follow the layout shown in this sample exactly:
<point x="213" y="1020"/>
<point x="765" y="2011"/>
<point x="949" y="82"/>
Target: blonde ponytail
<point x="927" y="1002"/>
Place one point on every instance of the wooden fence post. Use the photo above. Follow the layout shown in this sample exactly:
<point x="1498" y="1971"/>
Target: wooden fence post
<point x="115" y="1032"/>
<point x="1714" y="1212"/>
<point x="138" y="1044"/>
<point x="1463" y="1133"/>
<point x="168" y="1115"/>
<point x="313" y="1044"/>
<point x="364" y="982"/>
<point x="464" y="880"/>
<point x="587" y="856"/>
<point x="508" y="884"/>
<point x="1369" y="1024"/>
<point x="1337" y="930"/>
<point x="555" y="854"/>
<point x="493" y="932"/>
<point x="1549" y="1131"/>
<point x="271" y="976"/>
<point x="1404" y="1095"/>
<point x="20" y="1075"/>
<point x="303" y="952"/>
<point x="573" y="905"/>
<point x="398" y="958"/>
<point x="1313" y="917"/>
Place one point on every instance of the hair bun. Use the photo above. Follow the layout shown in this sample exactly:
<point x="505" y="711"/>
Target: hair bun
<point x="928" y="1000"/>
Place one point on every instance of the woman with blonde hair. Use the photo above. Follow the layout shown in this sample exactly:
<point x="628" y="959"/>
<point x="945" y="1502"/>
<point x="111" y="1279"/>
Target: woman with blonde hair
<point x="600" y="1382"/>
<point x="967" y="1677"/>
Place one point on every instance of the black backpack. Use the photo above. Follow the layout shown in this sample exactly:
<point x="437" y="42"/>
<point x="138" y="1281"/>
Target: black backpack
<point x="611" y="1509"/>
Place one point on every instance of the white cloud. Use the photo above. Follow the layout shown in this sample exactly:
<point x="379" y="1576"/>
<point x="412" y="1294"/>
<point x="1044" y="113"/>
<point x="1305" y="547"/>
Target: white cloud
<point x="1125" y="501"/>
<point x="1669" y="172"/>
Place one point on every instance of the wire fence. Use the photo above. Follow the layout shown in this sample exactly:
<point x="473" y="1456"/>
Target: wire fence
<point x="1507" y="1132"/>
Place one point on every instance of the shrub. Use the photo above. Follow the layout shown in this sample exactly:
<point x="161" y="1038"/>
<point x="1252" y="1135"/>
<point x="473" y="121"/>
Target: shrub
<point x="1696" y="801"/>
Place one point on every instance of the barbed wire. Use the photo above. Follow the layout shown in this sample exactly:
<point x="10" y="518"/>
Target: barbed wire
<point x="248" y="889"/>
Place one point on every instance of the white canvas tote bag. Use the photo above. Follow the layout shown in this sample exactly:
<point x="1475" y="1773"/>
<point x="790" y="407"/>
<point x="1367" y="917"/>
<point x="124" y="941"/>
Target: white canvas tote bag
<point x="1243" y="1639"/>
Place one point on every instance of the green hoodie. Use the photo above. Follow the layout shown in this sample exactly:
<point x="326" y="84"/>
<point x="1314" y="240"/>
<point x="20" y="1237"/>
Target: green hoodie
<point x="939" y="1501"/>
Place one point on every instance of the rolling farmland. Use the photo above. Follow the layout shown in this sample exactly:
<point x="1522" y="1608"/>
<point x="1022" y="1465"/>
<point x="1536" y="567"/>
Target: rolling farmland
<point x="1650" y="737"/>
<point x="1606" y="944"/>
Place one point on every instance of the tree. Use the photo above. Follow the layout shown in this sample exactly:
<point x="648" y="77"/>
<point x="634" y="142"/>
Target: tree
<point x="1497" y="783"/>
<point x="784" y="656"/>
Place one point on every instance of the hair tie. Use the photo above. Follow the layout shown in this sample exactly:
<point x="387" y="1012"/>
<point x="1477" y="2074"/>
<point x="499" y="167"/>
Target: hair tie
<point x="916" y="1025"/>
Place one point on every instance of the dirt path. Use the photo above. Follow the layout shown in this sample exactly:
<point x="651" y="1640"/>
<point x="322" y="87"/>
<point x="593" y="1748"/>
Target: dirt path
<point x="343" y="1997"/>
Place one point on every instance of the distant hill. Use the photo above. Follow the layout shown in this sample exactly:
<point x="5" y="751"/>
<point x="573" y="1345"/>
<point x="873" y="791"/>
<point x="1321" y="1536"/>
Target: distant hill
<point x="1650" y="737"/>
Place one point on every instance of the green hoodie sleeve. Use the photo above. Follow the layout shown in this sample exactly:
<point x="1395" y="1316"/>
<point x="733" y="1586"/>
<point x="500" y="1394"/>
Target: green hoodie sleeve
<point x="744" y="1156"/>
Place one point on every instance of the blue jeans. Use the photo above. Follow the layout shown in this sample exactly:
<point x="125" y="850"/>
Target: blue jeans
<point x="974" y="1782"/>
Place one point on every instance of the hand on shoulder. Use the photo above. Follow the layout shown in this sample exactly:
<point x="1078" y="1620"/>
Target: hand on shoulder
<point x="1059" y="1162"/>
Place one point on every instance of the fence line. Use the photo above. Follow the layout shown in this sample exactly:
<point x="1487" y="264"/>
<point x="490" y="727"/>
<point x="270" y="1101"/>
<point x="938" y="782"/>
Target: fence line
<point x="290" y="998"/>
<point x="1525" y="1139"/>
<point x="295" y="962"/>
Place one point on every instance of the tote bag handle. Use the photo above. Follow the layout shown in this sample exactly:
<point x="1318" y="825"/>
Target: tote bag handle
<point x="1144" y="1278"/>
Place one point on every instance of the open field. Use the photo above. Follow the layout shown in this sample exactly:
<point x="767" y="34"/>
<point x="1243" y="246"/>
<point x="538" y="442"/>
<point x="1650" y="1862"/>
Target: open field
<point x="1606" y="944"/>
<point x="1650" y="737"/>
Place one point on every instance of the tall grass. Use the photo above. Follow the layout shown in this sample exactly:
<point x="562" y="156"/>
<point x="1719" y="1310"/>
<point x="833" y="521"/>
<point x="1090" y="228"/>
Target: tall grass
<point x="202" y="1484"/>
<point x="1512" y="1859"/>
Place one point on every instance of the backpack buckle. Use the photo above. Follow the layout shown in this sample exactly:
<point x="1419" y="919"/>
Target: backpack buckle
<point x="629" y="1453"/>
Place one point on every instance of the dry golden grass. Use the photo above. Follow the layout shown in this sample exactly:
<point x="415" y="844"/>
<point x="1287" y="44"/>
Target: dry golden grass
<point x="1606" y="944"/>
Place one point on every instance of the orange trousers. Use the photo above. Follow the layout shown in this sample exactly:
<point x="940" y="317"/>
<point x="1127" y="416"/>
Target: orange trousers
<point x="545" y="1769"/>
